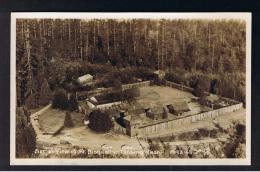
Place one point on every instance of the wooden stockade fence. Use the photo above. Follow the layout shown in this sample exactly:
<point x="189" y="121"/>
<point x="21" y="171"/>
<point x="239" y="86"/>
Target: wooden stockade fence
<point x="119" y="129"/>
<point x="136" y="85"/>
<point x="101" y="91"/>
<point x="189" y="89"/>
<point x="188" y="119"/>
<point x="179" y="86"/>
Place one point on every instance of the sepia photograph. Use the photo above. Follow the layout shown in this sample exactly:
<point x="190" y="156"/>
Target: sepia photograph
<point x="130" y="88"/>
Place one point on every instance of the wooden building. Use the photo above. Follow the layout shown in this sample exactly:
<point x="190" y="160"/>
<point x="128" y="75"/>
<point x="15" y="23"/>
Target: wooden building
<point x="85" y="79"/>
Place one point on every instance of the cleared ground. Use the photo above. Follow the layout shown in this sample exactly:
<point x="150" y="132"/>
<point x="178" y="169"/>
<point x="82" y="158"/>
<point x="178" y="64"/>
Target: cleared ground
<point x="157" y="95"/>
<point x="83" y="136"/>
<point x="52" y="119"/>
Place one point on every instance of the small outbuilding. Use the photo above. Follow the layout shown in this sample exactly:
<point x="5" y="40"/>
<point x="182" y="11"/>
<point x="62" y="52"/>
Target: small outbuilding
<point x="132" y="122"/>
<point x="159" y="74"/>
<point x="156" y="113"/>
<point x="212" y="98"/>
<point x="178" y="108"/>
<point x="85" y="79"/>
<point x="82" y="95"/>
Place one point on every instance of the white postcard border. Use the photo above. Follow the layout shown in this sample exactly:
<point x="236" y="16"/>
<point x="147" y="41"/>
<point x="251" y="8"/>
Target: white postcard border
<point x="128" y="15"/>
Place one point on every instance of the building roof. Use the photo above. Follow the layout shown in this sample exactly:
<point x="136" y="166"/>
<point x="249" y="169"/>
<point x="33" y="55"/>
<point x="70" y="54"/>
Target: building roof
<point x="133" y="118"/>
<point x="180" y="106"/>
<point x="156" y="110"/>
<point x="128" y="117"/>
<point x="93" y="99"/>
<point x="83" y="105"/>
<point x="212" y="98"/>
<point x="165" y="109"/>
<point x="159" y="72"/>
<point x="85" y="77"/>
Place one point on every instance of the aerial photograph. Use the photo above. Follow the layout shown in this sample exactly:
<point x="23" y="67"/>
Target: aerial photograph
<point x="130" y="88"/>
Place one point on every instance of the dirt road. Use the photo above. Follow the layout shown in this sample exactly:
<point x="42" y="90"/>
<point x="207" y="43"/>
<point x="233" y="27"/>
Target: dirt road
<point x="34" y="119"/>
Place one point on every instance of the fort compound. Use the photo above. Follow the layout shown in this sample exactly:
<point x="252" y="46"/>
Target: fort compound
<point x="159" y="107"/>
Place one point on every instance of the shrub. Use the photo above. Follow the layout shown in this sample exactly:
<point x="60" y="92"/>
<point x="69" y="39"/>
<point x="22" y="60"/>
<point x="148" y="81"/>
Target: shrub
<point x="196" y="135"/>
<point x="100" y="121"/>
<point x="60" y="100"/>
<point x="204" y="132"/>
<point x="131" y="94"/>
<point x="185" y="136"/>
<point x="213" y="133"/>
<point x="154" y="146"/>
<point x="234" y="148"/>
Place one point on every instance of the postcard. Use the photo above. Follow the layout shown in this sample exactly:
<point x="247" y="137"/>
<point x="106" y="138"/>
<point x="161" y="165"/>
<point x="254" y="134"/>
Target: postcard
<point x="130" y="88"/>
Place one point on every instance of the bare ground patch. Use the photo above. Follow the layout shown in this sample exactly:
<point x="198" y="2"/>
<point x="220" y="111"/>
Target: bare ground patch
<point x="52" y="119"/>
<point x="157" y="95"/>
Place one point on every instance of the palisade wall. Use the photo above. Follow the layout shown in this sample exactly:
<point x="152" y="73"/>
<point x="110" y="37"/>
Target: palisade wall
<point x="136" y="85"/>
<point x="170" y="124"/>
<point x="179" y="86"/>
<point x="189" y="89"/>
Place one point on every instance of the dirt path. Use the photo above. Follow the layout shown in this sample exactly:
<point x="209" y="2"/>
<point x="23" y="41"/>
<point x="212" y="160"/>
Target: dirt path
<point x="81" y="136"/>
<point x="35" y="120"/>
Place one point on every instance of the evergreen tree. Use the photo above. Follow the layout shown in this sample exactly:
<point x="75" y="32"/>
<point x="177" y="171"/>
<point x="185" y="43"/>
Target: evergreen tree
<point x="25" y="135"/>
<point x="68" y="121"/>
<point x="215" y="48"/>
<point x="73" y="103"/>
<point x="202" y="85"/>
<point x="45" y="93"/>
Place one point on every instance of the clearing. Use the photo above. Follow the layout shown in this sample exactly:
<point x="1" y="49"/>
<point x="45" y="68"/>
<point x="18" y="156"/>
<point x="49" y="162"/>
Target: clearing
<point x="157" y="95"/>
<point x="53" y="119"/>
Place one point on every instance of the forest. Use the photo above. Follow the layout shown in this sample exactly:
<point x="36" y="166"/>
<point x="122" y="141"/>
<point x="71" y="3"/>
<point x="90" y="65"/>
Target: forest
<point x="50" y="53"/>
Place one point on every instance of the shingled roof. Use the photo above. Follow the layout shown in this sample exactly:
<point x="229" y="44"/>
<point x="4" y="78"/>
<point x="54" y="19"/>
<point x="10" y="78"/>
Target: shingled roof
<point x="133" y="118"/>
<point x="159" y="72"/>
<point x="179" y="107"/>
<point x="157" y="110"/>
<point x="85" y="78"/>
<point x="212" y="98"/>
